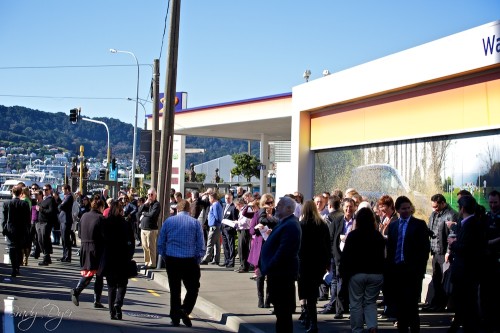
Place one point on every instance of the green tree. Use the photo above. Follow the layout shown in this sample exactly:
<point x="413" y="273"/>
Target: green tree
<point x="246" y="165"/>
<point x="200" y="177"/>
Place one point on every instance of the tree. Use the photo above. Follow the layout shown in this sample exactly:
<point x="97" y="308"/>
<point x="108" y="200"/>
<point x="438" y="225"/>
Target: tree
<point x="200" y="177"/>
<point x="246" y="165"/>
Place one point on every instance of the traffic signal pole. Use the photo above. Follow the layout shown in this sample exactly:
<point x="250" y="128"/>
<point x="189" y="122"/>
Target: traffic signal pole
<point x="108" y="159"/>
<point x="75" y="116"/>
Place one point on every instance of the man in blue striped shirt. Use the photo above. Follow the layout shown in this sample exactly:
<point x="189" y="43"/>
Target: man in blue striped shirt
<point x="214" y="223"/>
<point x="182" y="245"/>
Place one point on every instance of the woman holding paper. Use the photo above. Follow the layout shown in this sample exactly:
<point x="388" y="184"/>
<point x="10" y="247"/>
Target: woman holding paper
<point x="261" y="226"/>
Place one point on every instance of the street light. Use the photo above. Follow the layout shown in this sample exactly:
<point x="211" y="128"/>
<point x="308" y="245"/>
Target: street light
<point x="136" y="111"/>
<point x="144" y="108"/>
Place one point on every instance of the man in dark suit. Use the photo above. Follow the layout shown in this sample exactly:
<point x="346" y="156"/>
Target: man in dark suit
<point x="279" y="260"/>
<point x="408" y="248"/>
<point x="66" y="220"/>
<point x="467" y="254"/>
<point x="15" y="226"/>
<point x="340" y="226"/>
<point x="47" y="218"/>
<point x="229" y="212"/>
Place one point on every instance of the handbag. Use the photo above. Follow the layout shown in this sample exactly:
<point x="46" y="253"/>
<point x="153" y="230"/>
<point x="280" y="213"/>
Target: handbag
<point x="132" y="269"/>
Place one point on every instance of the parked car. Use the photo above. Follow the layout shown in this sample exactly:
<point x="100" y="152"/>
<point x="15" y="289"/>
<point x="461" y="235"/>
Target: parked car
<point x="374" y="180"/>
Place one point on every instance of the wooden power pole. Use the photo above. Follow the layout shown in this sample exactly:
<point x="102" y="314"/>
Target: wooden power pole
<point x="167" y="132"/>
<point x="154" y="122"/>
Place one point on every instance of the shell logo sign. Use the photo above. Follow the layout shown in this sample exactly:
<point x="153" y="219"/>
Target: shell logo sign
<point x="180" y="101"/>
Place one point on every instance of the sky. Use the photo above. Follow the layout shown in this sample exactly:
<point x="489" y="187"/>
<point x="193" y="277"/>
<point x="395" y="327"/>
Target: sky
<point x="54" y="54"/>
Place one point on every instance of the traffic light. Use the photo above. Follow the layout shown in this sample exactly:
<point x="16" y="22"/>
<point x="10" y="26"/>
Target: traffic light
<point x="74" y="115"/>
<point x="102" y="174"/>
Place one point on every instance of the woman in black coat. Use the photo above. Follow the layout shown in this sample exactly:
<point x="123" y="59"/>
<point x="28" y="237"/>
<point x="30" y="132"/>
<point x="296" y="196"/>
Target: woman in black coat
<point x="90" y="252"/>
<point x="362" y="265"/>
<point x="119" y="246"/>
<point x="314" y="261"/>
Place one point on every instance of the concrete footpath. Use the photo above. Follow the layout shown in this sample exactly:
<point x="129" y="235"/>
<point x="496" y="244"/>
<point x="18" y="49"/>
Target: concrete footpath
<point x="230" y="298"/>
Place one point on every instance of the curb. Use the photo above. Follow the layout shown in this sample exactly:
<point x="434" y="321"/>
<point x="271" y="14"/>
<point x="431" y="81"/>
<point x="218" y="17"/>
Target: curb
<point x="214" y="311"/>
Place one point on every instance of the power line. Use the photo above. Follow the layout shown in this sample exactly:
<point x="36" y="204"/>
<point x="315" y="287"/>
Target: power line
<point x="164" y="29"/>
<point x="69" y="66"/>
<point x="66" y="97"/>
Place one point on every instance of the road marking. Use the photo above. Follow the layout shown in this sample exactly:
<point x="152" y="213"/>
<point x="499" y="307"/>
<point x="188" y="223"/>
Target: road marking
<point x="8" y="317"/>
<point x="154" y="293"/>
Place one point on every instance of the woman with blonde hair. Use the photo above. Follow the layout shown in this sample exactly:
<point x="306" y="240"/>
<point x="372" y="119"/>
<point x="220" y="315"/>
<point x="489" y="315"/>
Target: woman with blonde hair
<point x="314" y="261"/>
<point x="262" y="224"/>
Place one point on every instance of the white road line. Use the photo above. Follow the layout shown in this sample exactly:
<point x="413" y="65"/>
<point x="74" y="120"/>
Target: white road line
<point x="8" y="317"/>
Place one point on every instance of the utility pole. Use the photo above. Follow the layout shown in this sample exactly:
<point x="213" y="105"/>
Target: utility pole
<point x="154" y="122"/>
<point x="167" y="133"/>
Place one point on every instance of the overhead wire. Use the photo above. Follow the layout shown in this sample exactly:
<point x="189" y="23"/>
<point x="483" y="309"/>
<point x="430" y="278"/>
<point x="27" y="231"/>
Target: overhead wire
<point x="164" y="29"/>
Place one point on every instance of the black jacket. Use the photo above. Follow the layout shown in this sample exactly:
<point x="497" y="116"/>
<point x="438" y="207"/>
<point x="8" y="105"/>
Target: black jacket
<point x="118" y="247"/>
<point x="48" y="211"/>
<point x="416" y="246"/>
<point x="16" y="222"/>
<point x="148" y="215"/>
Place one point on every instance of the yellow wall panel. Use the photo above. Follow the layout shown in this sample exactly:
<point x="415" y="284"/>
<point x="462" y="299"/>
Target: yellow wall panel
<point x="493" y="105"/>
<point x="448" y="111"/>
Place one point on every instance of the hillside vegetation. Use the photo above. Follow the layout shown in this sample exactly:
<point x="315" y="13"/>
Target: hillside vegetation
<point x="32" y="129"/>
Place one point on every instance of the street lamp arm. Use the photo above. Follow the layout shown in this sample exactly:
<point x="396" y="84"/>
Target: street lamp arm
<point x="136" y="112"/>
<point x="108" y="155"/>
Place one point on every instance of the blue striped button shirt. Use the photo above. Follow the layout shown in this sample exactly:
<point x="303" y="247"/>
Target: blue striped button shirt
<point x="181" y="236"/>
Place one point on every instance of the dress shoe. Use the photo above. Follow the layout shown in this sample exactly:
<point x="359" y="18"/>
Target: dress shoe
<point x="230" y="266"/>
<point x="118" y="310"/>
<point x="98" y="305"/>
<point x="203" y="262"/>
<point x="338" y="316"/>
<point x="253" y="277"/>
<point x="185" y="319"/>
<point x="43" y="263"/>
<point x="175" y="322"/>
<point x="327" y="311"/>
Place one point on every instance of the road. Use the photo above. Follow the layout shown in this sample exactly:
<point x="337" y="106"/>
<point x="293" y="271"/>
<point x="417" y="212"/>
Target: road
<point x="39" y="301"/>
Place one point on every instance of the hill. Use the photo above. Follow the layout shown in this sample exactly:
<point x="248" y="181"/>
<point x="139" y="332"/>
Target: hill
<point x="32" y="129"/>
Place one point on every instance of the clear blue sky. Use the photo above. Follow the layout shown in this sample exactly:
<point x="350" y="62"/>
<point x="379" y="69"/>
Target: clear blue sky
<point x="228" y="50"/>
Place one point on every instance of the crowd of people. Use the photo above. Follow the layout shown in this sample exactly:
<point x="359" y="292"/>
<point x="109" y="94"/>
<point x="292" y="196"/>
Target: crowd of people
<point x="375" y="254"/>
<point x="336" y="247"/>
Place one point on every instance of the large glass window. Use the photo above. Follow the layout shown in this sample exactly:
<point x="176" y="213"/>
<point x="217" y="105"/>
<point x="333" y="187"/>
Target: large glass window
<point x="417" y="168"/>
